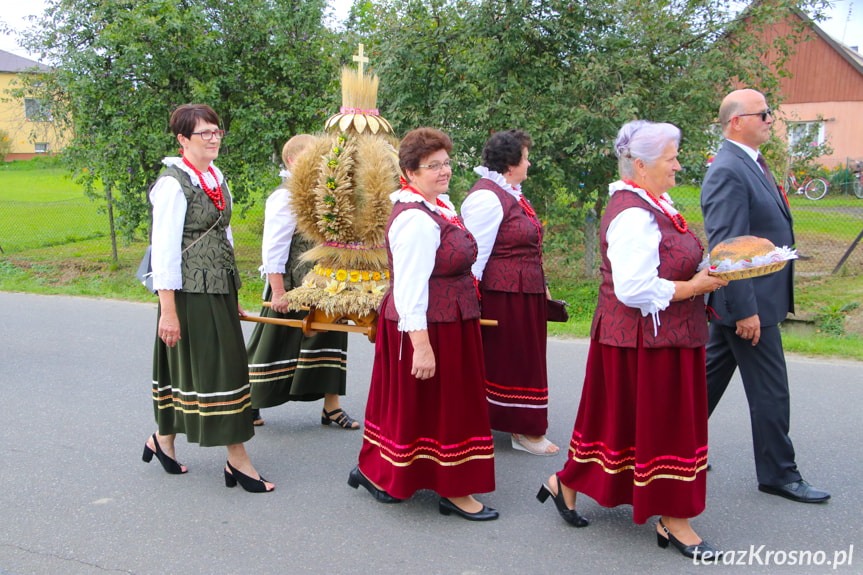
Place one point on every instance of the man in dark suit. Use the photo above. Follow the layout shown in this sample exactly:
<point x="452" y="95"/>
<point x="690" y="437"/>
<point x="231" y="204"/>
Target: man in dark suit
<point x="740" y="197"/>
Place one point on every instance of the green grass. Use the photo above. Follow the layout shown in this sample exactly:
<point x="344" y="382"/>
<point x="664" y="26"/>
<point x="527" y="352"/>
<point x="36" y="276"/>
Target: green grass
<point x="56" y="242"/>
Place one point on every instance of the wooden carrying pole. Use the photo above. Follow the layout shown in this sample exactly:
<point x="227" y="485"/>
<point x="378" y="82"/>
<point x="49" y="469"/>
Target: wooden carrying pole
<point x="486" y="322"/>
<point x="309" y="326"/>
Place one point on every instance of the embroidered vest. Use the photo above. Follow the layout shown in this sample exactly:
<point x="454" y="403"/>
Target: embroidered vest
<point x="515" y="263"/>
<point x="682" y="323"/>
<point x="452" y="294"/>
<point x="207" y="265"/>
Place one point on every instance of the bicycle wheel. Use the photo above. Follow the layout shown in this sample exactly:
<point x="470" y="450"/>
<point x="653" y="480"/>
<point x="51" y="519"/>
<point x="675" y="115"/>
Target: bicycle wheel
<point x="816" y="189"/>
<point x="858" y="188"/>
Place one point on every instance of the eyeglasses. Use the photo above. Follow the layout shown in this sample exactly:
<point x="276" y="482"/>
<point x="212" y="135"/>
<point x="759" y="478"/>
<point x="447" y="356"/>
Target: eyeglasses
<point x="207" y="135"/>
<point x="437" y="166"/>
<point x="763" y="115"/>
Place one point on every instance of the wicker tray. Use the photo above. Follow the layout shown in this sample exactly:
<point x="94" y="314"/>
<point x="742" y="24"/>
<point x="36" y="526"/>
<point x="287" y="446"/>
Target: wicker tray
<point x="747" y="273"/>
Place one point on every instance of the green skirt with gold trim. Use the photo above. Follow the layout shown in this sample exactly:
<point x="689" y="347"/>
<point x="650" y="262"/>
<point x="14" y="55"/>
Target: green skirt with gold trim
<point x="285" y="365"/>
<point x="201" y="386"/>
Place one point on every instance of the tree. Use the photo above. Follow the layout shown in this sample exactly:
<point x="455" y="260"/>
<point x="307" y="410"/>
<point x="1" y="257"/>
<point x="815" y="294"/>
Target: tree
<point x="122" y="66"/>
<point x="570" y="73"/>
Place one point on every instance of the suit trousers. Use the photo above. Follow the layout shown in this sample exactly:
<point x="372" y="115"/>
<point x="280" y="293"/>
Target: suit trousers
<point x="765" y="381"/>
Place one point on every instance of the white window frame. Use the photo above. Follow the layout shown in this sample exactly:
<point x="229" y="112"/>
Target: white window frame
<point x="41" y="147"/>
<point x="36" y="111"/>
<point x="800" y="130"/>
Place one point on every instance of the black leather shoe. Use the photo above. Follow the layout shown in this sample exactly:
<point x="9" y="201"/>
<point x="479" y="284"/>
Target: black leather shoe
<point x="571" y="516"/>
<point x="356" y="478"/>
<point x="704" y="551"/>
<point x="485" y="514"/>
<point x="796" y="491"/>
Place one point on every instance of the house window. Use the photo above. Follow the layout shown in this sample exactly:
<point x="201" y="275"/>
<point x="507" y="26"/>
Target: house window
<point x="41" y="147"/>
<point x="35" y="111"/>
<point x="805" y="134"/>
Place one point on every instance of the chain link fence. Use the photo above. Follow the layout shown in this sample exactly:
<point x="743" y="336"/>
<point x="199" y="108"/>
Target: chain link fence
<point x="825" y="229"/>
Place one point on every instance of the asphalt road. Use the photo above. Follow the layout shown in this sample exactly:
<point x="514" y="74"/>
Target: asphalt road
<point x="75" y="497"/>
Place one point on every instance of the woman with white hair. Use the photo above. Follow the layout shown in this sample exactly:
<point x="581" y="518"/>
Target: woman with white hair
<point x="640" y="435"/>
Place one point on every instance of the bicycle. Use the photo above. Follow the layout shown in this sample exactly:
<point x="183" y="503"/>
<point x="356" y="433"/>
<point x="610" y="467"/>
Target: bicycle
<point x="812" y="188"/>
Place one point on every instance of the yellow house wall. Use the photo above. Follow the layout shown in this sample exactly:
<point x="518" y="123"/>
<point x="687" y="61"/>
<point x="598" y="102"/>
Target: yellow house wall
<point x="24" y="133"/>
<point x="843" y="126"/>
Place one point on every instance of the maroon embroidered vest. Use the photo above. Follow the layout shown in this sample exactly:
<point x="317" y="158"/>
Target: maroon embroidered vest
<point x="515" y="263"/>
<point x="452" y="293"/>
<point x="682" y="323"/>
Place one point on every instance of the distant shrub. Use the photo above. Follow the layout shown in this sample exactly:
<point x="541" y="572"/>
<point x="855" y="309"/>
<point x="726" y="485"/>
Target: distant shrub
<point x="5" y="145"/>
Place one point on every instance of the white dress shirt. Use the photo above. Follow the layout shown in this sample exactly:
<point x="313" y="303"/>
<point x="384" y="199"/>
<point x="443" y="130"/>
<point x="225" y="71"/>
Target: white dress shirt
<point x="169" y="216"/>
<point x="633" y="250"/>
<point x="414" y="238"/>
<point x="280" y="222"/>
<point x="483" y="214"/>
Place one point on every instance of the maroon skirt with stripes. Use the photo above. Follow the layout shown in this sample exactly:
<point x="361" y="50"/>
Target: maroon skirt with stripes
<point x="515" y="370"/>
<point x="640" y="435"/>
<point x="431" y="434"/>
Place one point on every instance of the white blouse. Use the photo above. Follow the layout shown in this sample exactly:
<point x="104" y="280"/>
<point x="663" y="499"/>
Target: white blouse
<point x="633" y="250"/>
<point x="280" y="222"/>
<point x="414" y="238"/>
<point x="169" y="215"/>
<point x="483" y="214"/>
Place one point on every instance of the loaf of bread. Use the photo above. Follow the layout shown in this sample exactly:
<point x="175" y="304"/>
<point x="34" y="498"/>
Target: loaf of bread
<point x="740" y="249"/>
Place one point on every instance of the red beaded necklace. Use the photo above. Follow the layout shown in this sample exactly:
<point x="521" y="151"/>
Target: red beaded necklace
<point x="217" y="196"/>
<point x="677" y="220"/>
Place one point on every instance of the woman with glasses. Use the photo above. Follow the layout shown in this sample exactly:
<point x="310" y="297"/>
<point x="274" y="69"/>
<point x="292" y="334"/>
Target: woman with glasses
<point x="426" y="424"/>
<point x="514" y="292"/>
<point x="200" y="372"/>
<point x="640" y="434"/>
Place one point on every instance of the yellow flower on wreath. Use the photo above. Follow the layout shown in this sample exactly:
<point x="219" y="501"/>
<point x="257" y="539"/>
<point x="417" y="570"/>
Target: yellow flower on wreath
<point x="365" y="276"/>
<point x="376" y="276"/>
<point x="341" y="275"/>
<point x="355" y="276"/>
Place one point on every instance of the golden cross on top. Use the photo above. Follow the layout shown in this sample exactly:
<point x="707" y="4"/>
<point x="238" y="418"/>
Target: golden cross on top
<point x="361" y="60"/>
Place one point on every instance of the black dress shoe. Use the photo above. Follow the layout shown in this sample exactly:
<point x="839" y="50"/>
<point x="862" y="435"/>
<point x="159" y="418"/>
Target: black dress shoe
<point x="703" y="551"/>
<point x="356" y="478"/>
<point x="796" y="491"/>
<point x="571" y="516"/>
<point x="485" y="514"/>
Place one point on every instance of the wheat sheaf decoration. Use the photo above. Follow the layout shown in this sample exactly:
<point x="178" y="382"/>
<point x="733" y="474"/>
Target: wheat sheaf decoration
<point x="340" y="192"/>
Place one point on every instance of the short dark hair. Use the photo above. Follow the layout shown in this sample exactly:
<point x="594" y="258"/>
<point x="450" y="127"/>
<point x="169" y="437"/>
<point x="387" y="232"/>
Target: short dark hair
<point x="421" y="143"/>
<point x="185" y="118"/>
<point x="505" y="149"/>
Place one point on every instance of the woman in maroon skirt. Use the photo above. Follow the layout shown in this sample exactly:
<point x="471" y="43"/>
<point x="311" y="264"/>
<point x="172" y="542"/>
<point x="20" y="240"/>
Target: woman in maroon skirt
<point x="426" y="424"/>
<point x="640" y="435"/>
<point x="509" y="266"/>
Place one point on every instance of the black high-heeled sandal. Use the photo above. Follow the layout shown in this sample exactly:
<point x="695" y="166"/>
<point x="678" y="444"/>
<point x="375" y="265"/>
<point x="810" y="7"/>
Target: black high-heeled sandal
<point x="233" y="475"/>
<point x="169" y="465"/>
<point x="344" y="420"/>
<point x="703" y="551"/>
<point x="571" y="516"/>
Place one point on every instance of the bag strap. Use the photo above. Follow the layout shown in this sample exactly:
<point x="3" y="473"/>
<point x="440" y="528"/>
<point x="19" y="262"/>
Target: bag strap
<point x="202" y="235"/>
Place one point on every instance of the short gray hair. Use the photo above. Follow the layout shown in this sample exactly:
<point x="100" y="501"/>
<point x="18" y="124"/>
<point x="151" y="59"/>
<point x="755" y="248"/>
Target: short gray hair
<point x="642" y="140"/>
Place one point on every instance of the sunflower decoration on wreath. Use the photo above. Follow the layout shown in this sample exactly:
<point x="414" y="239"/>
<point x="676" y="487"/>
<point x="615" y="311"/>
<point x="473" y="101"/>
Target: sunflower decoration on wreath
<point x="340" y="192"/>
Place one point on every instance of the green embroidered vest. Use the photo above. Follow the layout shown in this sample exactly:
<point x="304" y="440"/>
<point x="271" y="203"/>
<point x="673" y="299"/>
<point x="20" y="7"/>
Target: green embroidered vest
<point x="208" y="265"/>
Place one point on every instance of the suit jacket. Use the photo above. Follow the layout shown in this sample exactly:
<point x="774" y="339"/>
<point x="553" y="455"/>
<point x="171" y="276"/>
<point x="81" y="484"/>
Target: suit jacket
<point x="737" y="199"/>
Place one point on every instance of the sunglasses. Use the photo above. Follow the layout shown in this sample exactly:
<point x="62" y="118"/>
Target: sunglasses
<point x="763" y="115"/>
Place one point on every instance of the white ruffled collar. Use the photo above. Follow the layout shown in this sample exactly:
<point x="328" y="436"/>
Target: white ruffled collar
<point x="285" y="174"/>
<point x="408" y="196"/>
<point x="500" y="180"/>
<point x="664" y="198"/>
<point x="208" y="177"/>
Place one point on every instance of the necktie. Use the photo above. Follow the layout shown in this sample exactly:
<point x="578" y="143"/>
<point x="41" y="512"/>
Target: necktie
<point x="770" y="179"/>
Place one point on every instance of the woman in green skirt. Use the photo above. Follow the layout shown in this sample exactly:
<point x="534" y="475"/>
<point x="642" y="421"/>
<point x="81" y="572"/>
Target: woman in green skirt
<point x="200" y="376"/>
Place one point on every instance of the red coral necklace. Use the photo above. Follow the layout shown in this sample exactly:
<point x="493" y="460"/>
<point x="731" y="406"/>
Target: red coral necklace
<point x="217" y="196"/>
<point x="677" y="220"/>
